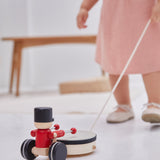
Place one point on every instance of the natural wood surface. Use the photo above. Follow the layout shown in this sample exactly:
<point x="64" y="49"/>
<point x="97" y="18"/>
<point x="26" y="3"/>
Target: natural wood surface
<point x="98" y="84"/>
<point x="40" y="151"/>
<point x="81" y="149"/>
<point x="23" y="42"/>
<point x="38" y="41"/>
<point x="49" y="37"/>
<point x="13" y="68"/>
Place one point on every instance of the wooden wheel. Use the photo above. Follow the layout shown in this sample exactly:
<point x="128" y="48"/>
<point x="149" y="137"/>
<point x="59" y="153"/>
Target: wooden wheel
<point x="26" y="149"/>
<point x="57" y="151"/>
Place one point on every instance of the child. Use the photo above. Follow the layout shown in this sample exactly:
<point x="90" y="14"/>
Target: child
<point x="121" y="24"/>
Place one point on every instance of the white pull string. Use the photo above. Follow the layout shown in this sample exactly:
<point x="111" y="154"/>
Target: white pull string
<point x="121" y="75"/>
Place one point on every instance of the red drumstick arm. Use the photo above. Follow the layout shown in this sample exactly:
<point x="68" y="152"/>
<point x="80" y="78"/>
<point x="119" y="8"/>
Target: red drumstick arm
<point x="33" y="133"/>
<point x="59" y="133"/>
<point x="56" y="134"/>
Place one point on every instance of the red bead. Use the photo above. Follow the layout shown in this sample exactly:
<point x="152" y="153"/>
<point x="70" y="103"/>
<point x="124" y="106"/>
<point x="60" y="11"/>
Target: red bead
<point x="74" y="130"/>
<point x="33" y="133"/>
<point x="56" y="126"/>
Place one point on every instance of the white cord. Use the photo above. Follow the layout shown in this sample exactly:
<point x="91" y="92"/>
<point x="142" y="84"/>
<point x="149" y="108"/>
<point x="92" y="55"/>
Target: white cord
<point x="121" y="75"/>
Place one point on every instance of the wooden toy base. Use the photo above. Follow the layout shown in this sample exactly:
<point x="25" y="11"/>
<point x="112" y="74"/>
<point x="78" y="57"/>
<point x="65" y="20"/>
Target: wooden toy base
<point x="99" y="84"/>
<point x="72" y="150"/>
<point x="75" y="150"/>
<point x="40" y="151"/>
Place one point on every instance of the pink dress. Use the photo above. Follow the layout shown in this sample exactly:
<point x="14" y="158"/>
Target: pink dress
<point x="121" y="24"/>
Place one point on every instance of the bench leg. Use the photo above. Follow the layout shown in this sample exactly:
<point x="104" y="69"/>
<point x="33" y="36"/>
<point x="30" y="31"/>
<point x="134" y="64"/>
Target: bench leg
<point x="13" y="68"/>
<point x="18" y="66"/>
<point x="102" y="72"/>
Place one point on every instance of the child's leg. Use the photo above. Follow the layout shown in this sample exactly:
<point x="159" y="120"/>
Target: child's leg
<point x="121" y="94"/>
<point x="152" y="85"/>
<point x="124" y="111"/>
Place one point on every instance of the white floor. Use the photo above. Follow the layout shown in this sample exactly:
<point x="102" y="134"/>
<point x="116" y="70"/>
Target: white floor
<point x="65" y="104"/>
<point x="134" y="140"/>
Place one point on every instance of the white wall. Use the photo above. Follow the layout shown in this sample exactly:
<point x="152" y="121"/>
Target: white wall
<point x="13" y="22"/>
<point x="53" y="64"/>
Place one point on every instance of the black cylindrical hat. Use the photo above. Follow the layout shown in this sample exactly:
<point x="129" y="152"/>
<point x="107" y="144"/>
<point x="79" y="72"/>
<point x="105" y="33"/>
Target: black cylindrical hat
<point x="43" y="114"/>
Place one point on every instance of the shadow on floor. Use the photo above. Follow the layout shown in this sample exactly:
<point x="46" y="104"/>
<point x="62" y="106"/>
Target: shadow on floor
<point x="155" y="127"/>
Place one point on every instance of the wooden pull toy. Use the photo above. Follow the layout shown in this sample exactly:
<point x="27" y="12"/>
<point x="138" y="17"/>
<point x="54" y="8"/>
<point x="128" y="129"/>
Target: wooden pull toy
<point x="45" y="143"/>
<point x="58" y="144"/>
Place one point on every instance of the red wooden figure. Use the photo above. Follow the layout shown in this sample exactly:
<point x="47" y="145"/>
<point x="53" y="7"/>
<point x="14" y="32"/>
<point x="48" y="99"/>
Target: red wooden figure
<point x="45" y="142"/>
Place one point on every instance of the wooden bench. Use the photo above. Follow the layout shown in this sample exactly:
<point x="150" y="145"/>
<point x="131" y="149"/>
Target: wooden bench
<point x="25" y="42"/>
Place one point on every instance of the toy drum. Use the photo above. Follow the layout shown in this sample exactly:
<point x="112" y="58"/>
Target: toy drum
<point x="83" y="142"/>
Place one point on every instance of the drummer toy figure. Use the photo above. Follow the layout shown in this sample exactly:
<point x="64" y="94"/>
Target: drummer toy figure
<point x="45" y="143"/>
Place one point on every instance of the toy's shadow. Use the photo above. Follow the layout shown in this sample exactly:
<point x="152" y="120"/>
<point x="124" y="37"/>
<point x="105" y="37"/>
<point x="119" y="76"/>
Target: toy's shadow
<point x="155" y="127"/>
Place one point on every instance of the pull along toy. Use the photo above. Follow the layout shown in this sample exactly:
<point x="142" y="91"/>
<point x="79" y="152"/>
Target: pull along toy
<point x="58" y="144"/>
<point x="45" y="143"/>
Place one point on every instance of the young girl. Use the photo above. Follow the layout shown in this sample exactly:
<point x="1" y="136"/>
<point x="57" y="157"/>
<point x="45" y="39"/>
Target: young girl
<point x="121" y="24"/>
